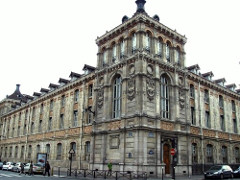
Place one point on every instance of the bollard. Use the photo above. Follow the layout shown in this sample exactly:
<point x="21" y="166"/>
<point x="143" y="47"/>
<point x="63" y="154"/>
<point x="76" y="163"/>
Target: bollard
<point x="105" y="175"/>
<point x="84" y="174"/>
<point x="162" y="173"/>
<point x="58" y="171"/>
<point x="51" y="172"/>
<point x="116" y="175"/>
<point x="75" y="172"/>
<point x="94" y="174"/>
<point x="130" y="175"/>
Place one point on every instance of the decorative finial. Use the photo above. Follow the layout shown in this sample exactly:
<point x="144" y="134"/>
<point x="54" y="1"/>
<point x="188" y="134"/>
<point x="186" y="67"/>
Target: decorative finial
<point x="140" y="5"/>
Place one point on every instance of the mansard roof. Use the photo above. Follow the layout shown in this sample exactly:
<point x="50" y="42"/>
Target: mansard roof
<point x="73" y="74"/>
<point x="61" y="80"/>
<point x="222" y="80"/>
<point x="17" y="95"/>
<point x="54" y="86"/>
<point x="88" y="67"/>
<point x="195" y="66"/>
<point x="43" y="90"/>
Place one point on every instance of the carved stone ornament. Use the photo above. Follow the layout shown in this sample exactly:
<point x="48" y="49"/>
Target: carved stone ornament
<point x="150" y="89"/>
<point x="100" y="98"/>
<point x="150" y="70"/>
<point x="131" y="69"/>
<point x="181" y="99"/>
<point x="131" y="89"/>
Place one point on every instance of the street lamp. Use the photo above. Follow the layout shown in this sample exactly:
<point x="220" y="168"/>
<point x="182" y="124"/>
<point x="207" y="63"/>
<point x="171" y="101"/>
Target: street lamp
<point x="71" y="152"/>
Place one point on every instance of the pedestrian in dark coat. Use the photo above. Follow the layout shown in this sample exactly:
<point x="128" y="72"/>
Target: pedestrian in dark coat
<point x="47" y="168"/>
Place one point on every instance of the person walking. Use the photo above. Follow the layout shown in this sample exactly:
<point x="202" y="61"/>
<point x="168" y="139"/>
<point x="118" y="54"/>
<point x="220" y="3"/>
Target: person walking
<point x="30" y="173"/>
<point x="47" y="168"/>
<point x="109" y="168"/>
<point x="21" y="169"/>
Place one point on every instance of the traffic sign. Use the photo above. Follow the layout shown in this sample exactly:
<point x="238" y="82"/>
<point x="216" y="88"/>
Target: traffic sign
<point x="172" y="151"/>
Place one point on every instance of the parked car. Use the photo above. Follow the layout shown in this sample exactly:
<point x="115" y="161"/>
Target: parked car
<point x="236" y="172"/>
<point x="8" y="166"/>
<point x="219" y="171"/>
<point x="1" y="165"/>
<point x="37" y="168"/>
<point x="16" y="167"/>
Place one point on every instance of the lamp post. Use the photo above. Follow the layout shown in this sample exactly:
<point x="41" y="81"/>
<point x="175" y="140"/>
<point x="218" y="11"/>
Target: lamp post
<point x="71" y="152"/>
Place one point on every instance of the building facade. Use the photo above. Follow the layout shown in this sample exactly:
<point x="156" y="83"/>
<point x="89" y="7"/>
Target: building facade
<point x="137" y="106"/>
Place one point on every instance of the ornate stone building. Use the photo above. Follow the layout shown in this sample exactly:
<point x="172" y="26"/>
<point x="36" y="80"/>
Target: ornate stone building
<point x="138" y="105"/>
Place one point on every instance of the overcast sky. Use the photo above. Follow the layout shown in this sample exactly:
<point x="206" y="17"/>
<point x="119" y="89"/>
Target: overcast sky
<point x="43" y="40"/>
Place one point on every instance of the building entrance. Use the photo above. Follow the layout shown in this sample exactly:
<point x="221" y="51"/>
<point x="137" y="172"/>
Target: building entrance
<point x="166" y="158"/>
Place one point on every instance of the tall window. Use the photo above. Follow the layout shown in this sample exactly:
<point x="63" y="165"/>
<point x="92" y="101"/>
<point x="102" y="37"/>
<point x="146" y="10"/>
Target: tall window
<point x="177" y="55"/>
<point x="29" y="151"/>
<point x="206" y="96"/>
<point x="222" y="123"/>
<point x="192" y="91"/>
<point x="48" y="151"/>
<point x="76" y="95"/>
<point x="207" y="119"/>
<point x="234" y="126"/>
<point x="10" y="151"/>
<point x="209" y="153"/>
<point x="224" y="154"/>
<point x="168" y="52"/>
<point x="147" y="42"/>
<point x="237" y="155"/>
<point x="18" y="131"/>
<point x="13" y="129"/>
<point x="20" y="116"/>
<point x="22" y="152"/>
<point x="87" y="151"/>
<point x="16" y="152"/>
<point x="117" y="97"/>
<point x="159" y="47"/>
<point x="122" y="48"/>
<point x="90" y="90"/>
<point x="61" y="122"/>
<point x="25" y="129"/>
<point x="59" y="151"/>
<point x="134" y="42"/>
<point x="41" y="109"/>
<point x="32" y="127"/>
<point x="90" y="115"/>
<point x="75" y="118"/>
<point x="233" y="106"/>
<point x="50" y="124"/>
<point x="114" y="53"/>
<point x="38" y="149"/>
<point x="51" y="105"/>
<point x="193" y="116"/>
<point x="26" y="114"/>
<point x="40" y="126"/>
<point x="164" y="88"/>
<point x="63" y="101"/>
<point x="33" y="112"/>
<point x="73" y="146"/>
<point x="104" y="57"/>
<point x="221" y="102"/>
<point x="194" y="153"/>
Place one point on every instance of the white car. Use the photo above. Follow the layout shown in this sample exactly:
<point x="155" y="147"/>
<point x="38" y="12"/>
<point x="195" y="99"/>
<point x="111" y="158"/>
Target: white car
<point x="8" y="166"/>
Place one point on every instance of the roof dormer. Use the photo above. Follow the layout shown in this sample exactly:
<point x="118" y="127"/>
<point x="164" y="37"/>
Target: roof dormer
<point x="208" y="75"/>
<point x="88" y="69"/>
<point x="220" y="82"/>
<point x="194" y="69"/>
<point x="74" y="76"/>
<point x="232" y="87"/>
<point x="53" y="86"/>
<point x="63" y="82"/>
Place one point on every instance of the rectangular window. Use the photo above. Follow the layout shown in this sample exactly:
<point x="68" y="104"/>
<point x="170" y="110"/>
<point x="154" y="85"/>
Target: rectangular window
<point x="32" y="127"/>
<point x="50" y="124"/>
<point x="10" y="152"/>
<point x="76" y="95"/>
<point x="234" y="126"/>
<point x="75" y="118"/>
<point x="48" y="151"/>
<point x="206" y="96"/>
<point x="222" y="123"/>
<point x="29" y="151"/>
<point x="33" y="112"/>
<point x="90" y="115"/>
<point x="26" y="114"/>
<point x="18" y="131"/>
<point x="41" y="109"/>
<point x="13" y="132"/>
<point x="51" y="105"/>
<point x="16" y="152"/>
<point x="193" y="116"/>
<point x="207" y="119"/>
<point x="61" y="123"/>
<point x="90" y="90"/>
<point x="63" y="101"/>
<point x="233" y="106"/>
<point x="221" y="102"/>
<point x="25" y="130"/>
<point x="59" y="151"/>
<point x="22" y="152"/>
<point x="209" y="154"/>
<point x="40" y="126"/>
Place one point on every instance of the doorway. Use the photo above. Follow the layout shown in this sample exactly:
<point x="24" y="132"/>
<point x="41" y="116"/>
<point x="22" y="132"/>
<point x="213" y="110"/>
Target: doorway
<point x="166" y="158"/>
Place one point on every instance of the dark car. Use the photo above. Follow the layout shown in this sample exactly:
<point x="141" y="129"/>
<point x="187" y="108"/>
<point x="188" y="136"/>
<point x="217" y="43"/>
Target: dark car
<point x="236" y="173"/>
<point x="219" y="171"/>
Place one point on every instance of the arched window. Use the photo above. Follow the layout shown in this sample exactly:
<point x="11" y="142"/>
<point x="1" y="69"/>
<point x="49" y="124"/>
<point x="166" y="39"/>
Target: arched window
<point x="76" y="95"/>
<point x="48" y="151"/>
<point x="29" y="151"/>
<point x="104" y="57"/>
<point x="164" y="88"/>
<point x="224" y="155"/>
<point x="177" y="56"/>
<point x="59" y="151"/>
<point x="87" y="150"/>
<point x="117" y="97"/>
<point x="194" y="153"/>
<point x="159" y="47"/>
<point x="147" y="42"/>
<point x="168" y="55"/>
<point x="134" y="43"/>
<point x="10" y="152"/>
<point x="237" y="155"/>
<point x="122" y="48"/>
<point x="16" y="152"/>
<point x="114" y="52"/>
<point x="209" y="153"/>
<point x="73" y="146"/>
<point x="38" y="148"/>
